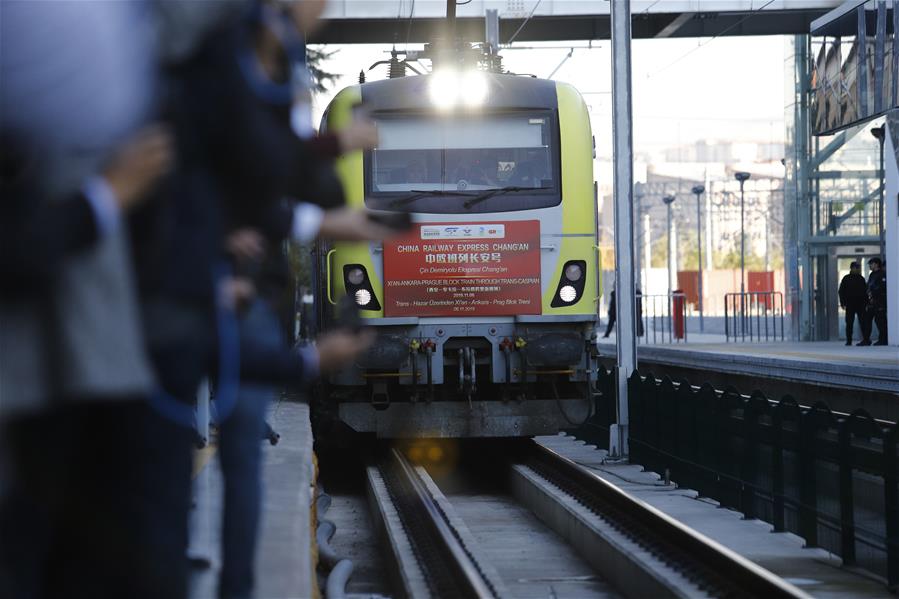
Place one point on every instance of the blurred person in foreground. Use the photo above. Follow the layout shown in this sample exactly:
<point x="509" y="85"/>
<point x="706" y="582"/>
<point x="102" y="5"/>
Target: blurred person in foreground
<point x="73" y="373"/>
<point x="271" y="39"/>
<point x="853" y="294"/>
<point x="239" y="158"/>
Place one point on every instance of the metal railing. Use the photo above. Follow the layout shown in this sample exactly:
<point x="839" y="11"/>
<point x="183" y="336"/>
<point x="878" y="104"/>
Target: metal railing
<point x="754" y="315"/>
<point x="663" y="318"/>
<point x="830" y="477"/>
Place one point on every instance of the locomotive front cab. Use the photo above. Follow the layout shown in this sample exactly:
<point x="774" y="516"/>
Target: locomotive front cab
<point x="485" y="309"/>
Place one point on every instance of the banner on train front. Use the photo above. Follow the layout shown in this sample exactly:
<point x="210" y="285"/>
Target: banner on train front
<point x="464" y="269"/>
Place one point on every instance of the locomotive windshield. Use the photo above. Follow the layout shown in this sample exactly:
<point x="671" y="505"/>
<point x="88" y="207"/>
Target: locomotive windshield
<point x="441" y="162"/>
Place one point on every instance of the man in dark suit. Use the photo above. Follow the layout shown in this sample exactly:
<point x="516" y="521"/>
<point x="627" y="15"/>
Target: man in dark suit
<point x="612" y="314"/>
<point x="877" y="301"/>
<point x="853" y="298"/>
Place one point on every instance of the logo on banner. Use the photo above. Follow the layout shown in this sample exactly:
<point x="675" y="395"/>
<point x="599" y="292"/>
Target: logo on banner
<point x="488" y="231"/>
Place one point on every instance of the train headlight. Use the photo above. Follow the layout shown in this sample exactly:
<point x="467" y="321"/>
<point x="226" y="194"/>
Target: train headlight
<point x="574" y="272"/>
<point x="567" y="294"/>
<point x="473" y="88"/>
<point x="448" y="88"/>
<point x="363" y="297"/>
<point x="444" y="89"/>
<point x="572" y="282"/>
<point x="355" y="276"/>
<point x="358" y="286"/>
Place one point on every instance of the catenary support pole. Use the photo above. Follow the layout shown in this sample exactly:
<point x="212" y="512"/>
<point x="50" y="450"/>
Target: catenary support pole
<point x="623" y="180"/>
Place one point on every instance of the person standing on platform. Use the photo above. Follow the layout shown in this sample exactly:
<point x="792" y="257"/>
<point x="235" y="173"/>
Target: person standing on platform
<point x="853" y="299"/>
<point x="612" y="318"/>
<point x="877" y="302"/>
<point x="611" y="315"/>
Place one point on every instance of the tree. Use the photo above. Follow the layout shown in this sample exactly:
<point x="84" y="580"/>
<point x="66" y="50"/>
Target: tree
<point x="658" y="257"/>
<point x="731" y="260"/>
<point x="321" y="79"/>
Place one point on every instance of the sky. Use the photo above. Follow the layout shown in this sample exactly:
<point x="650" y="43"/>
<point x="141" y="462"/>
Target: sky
<point x="683" y="90"/>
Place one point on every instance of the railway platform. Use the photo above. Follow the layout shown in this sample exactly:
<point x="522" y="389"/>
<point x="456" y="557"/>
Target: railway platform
<point x="853" y="377"/>
<point x="813" y="570"/>
<point x="284" y="560"/>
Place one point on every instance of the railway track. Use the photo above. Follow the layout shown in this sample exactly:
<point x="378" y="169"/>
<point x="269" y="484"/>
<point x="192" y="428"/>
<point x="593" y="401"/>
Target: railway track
<point x="556" y="527"/>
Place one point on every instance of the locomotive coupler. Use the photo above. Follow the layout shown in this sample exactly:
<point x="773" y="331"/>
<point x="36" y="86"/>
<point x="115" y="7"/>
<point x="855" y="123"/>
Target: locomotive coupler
<point x="380" y="398"/>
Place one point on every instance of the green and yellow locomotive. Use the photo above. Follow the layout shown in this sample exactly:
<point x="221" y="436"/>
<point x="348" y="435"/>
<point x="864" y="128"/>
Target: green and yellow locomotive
<point x="485" y="308"/>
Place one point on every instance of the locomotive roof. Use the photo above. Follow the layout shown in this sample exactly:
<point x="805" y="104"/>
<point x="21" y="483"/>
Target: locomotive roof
<point x="505" y="91"/>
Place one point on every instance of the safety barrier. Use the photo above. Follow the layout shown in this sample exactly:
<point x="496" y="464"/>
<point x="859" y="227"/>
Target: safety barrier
<point x="663" y="318"/>
<point x="754" y="314"/>
<point x="830" y="477"/>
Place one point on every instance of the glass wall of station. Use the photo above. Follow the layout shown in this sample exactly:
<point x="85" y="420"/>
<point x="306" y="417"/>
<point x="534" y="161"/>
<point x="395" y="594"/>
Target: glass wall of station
<point x="841" y="80"/>
<point x="855" y="62"/>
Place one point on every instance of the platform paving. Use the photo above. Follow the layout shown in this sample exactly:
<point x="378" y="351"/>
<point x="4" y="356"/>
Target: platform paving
<point x="814" y="570"/>
<point x="283" y="560"/>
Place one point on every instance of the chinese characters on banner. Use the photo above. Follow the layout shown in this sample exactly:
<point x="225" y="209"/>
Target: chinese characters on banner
<point x="464" y="269"/>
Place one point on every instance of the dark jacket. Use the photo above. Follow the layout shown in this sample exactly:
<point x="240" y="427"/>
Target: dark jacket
<point x="853" y="291"/>
<point x="35" y="238"/>
<point x="72" y="100"/>
<point x="238" y="158"/>
<point x="877" y="289"/>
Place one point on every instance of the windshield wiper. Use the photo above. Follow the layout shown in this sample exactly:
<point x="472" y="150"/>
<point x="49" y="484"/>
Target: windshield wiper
<point x="424" y="193"/>
<point x="493" y="192"/>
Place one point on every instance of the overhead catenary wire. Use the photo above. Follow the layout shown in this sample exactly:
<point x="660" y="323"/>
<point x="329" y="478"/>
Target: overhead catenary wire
<point x="646" y="10"/>
<point x="517" y="31"/>
<point x="702" y="44"/>
<point x="399" y="15"/>
<point x="564" y="60"/>
<point x="409" y="25"/>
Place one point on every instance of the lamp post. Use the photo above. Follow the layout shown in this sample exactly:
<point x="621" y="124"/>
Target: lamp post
<point x="639" y="193"/>
<point x="880" y="134"/>
<point x="742" y="178"/>
<point x="669" y="199"/>
<point x="698" y="190"/>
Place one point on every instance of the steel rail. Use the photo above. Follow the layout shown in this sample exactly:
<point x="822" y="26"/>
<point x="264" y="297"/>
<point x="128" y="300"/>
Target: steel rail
<point x="410" y="495"/>
<point x="702" y="557"/>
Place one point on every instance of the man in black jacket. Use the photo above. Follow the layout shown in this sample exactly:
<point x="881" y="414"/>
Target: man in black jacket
<point x="612" y="314"/>
<point x="854" y="298"/>
<point x="877" y="297"/>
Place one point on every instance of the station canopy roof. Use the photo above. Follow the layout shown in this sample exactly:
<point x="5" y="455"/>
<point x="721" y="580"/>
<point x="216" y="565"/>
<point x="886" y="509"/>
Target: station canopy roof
<point x="388" y="21"/>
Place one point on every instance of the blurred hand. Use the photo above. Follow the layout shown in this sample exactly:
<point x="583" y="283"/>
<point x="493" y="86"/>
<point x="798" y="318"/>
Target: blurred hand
<point x="138" y="164"/>
<point x="352" y="224"/>
<point x="246" y="244"/>
<point x="360" y="135"/>
<point x="236" y="292"/>
<point x="338" y="348"/>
